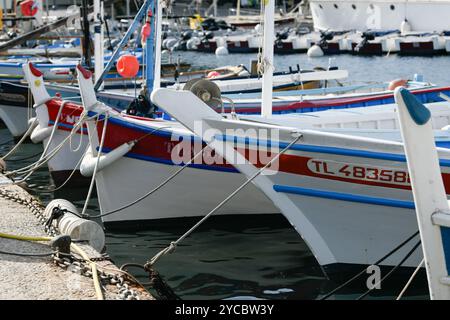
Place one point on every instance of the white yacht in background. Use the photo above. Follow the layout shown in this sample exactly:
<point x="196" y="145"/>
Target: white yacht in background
<point x="361" y="15"/>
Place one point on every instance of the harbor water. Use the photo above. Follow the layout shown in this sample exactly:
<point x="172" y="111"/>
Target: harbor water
<point x="248" y="257"/>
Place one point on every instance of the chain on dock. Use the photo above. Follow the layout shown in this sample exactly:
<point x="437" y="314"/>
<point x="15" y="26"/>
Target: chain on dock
<point x="71" y="263"/>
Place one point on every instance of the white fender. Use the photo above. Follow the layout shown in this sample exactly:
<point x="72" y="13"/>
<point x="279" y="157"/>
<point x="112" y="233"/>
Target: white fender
<point x="58" y="73"/>
<point x="77" y="228"/>
<point x="315" y="51"/>
<point x="39" y="134"/>
<point x="32" y="123"/>
<point x="221" y="51"/>
<point x="89" y="160"/>
<point x="405" y="27"/>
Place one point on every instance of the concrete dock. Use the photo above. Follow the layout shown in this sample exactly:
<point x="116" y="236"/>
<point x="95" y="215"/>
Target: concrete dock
<point x="40" y="277"/>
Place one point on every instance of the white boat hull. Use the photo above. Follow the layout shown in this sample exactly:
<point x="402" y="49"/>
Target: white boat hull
<point x="191" y="194"/>
<point x="361" y="15"/>
<point x="15" y="119"/>
<point x="348" y="197"/>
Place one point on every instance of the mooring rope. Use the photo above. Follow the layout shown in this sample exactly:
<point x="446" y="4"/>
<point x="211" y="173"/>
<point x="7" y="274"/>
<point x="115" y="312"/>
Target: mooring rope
<point x="99" y="153"/>
<point x="71" y="174"/>
<point x="55" y="126"/>
<point x="149" y="264"/>
<point x="410" y="252"/>
<point x="410" y="280"/>
<point x="30" y="169"/>
<point x="390" y="253"/>
<point x="24" y="137"/>
<point x="162" y="184"/>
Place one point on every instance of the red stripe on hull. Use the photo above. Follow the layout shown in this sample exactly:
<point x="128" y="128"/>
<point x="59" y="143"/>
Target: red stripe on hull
<point x="161" y="147"/>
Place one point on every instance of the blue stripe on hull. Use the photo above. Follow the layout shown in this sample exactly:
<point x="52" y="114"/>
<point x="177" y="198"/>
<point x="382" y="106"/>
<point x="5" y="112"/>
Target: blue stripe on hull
<point x="344" y="197"/>
<point x="445" y="235"/>
<point x="171" y="163"/>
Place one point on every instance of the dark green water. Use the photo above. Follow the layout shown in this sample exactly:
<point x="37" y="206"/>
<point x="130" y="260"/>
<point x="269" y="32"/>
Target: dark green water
<point x="250" y="257"/>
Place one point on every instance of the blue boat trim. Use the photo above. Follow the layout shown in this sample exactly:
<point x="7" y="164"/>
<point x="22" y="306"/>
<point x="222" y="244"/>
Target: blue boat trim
<point x="344" y="197"/>
<point x="445" y="236"/>
<point x="169" y="162"/>
<point x="67" y="126"/>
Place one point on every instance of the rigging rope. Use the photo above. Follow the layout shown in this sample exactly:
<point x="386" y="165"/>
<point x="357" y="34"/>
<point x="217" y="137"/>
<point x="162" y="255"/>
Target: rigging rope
<point x="99" y="153"/>
<point x="162" y="184"/>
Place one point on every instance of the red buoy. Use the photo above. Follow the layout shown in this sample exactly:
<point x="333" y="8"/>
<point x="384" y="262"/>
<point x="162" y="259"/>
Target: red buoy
<point x="128" y="66"/>
<point x="146" y="31"/>
<point x="29" y="8"/>
<point x="213" y="74"/>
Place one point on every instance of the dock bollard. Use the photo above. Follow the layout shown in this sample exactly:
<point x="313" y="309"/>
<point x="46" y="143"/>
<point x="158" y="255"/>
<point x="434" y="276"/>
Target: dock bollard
<point x="77" y="228"/>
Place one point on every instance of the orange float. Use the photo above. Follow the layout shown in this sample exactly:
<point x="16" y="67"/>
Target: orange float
<point x="128" y="66"/>
<point x="397" y="83"/>
<point x="29" y="8"/>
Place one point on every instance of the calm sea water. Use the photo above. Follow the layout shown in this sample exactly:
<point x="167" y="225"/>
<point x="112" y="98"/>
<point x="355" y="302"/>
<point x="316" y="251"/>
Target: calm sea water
<point x="239" y="256"/>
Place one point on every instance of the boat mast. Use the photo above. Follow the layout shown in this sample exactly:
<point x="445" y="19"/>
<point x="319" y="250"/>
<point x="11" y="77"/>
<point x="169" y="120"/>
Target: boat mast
<point x="158" y="33"/>
<point x="266" y="62"/>
<point x="86" y="35"/>
<point x="149" y="55"/>
<point x="134" y="25"/>
<point x="98" y="37"/>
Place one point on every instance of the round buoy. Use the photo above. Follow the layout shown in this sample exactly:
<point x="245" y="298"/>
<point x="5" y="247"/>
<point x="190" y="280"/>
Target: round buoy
<point x="315" y="51"/>
<point x="221" y="51"/>
<point x="213" y="74"/>
<point x="128" y="66"/>
<point x="29" y="8"/>
<point x="397" y="83"/>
